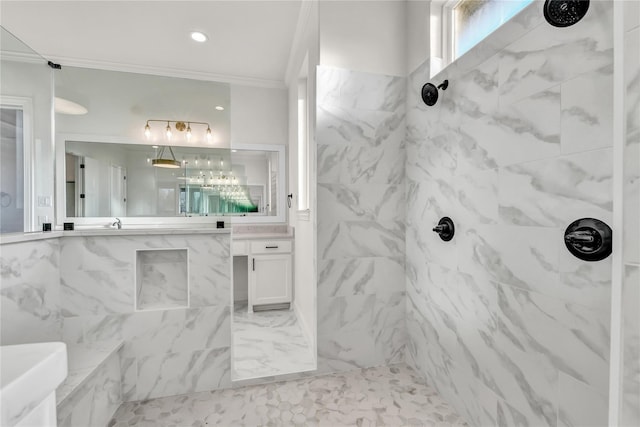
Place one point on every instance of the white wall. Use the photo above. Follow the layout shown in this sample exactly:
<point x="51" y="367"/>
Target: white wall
<point x="364" y="36"/>
<point x="120" y="103"/>
<point x="258" y="115"/>
<point x="418" y="27"/>
<point x="305" y="263"/>
<point x="33" y="81"/>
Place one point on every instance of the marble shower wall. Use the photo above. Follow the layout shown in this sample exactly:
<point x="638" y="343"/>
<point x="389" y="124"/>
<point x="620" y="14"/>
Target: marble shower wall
<point x="166" y="351"/>
<point x="30" y="292"/>
<point x="360" y="135"/>
<point x="630" y="414"/>
<point x="506" y="324"/>
<point x="81" y="290"/>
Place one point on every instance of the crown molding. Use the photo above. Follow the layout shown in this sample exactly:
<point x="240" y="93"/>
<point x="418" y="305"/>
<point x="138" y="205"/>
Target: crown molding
<point x="31" y="58"/>
<point x="167" y="72"/>
<point x="303" y="21"/>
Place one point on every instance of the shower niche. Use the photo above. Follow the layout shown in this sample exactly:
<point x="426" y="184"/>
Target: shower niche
<point x="162" y="279"/>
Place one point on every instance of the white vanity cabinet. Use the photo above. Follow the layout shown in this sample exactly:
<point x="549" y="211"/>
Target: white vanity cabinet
<point x="270" y="270"/>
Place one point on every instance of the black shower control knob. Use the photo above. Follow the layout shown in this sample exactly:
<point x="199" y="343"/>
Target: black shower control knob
<point x="441" y="228"/>
<point x="588" y="239"/>
<point x="445" y="228"/>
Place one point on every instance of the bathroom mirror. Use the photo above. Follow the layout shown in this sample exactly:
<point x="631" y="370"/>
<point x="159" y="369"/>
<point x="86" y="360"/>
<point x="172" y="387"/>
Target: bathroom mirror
<point x="135" y="180"/>
<point x="110" y="179"/>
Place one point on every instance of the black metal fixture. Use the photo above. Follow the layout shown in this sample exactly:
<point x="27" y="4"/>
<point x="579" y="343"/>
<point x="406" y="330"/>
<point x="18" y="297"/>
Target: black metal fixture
<point x="564" y="13"/>
<point x="430" y="92"/>
<point x="445" y="228"/>
<point x="588" y="239"/>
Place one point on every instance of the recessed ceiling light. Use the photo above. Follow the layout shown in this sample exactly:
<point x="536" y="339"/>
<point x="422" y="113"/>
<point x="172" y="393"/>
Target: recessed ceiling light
<point x="219" y="107"/>
<point x="198" y="36"/>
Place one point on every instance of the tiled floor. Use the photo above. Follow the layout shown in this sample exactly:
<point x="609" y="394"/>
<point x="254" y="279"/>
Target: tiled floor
<point x="268" y="343"/>
<point x="382" y="396"/>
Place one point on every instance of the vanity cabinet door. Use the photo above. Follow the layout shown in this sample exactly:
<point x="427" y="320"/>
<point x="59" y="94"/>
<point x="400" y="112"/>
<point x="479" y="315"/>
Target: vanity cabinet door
<point x="270" y="279"/>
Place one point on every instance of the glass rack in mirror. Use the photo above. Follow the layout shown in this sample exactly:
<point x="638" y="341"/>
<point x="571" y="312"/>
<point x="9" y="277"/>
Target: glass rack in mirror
<point x="129" y="180"/>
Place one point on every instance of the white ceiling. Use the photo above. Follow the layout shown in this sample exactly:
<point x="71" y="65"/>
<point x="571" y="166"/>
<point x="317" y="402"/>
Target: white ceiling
<point x="249" y="41"/>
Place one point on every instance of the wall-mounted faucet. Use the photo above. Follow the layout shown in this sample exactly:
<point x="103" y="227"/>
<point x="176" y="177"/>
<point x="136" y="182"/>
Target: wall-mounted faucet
<point x="445" y="228"/>
<point x="117" y="223"/>
<point x="588" y="239"/>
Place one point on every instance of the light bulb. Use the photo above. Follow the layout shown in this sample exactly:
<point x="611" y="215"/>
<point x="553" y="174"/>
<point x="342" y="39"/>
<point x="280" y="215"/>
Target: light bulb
<point x="147" y="130"/>
<point x="168" y="129"/>
<point x="188" y="132"/>
<point x="208" y="133"/>
<point x="199" y="36"/>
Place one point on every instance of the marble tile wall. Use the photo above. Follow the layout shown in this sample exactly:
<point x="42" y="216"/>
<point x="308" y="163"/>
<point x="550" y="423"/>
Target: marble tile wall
<point x="161" y="279"/>
<point x="81" y="290"/>
<point x="506" y="324"/>
<point x="30" y="292"/>
<point x="360" y="135"/>
<point x="166" y="351"/>
<point x="95" y="401"/>
<point x="630" y="414"/>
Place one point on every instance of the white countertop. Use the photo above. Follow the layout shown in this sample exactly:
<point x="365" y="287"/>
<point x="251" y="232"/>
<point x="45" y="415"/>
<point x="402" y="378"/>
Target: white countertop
<point x="144" y="231"/>
<point x="25" y="237"/>
<point x="259" y="236"/>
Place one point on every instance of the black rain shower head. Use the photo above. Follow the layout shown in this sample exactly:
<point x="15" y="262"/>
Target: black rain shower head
<point x="564" y="13"/>
<point x="430" y="92"/>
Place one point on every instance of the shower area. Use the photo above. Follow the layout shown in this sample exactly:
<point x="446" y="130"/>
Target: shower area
<point x="478" y="222"/>
<point x="532" y="131"/>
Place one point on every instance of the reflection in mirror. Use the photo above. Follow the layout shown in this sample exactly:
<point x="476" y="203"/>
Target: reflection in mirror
<point x="129" y="180"/>
<point x="26" y="192"/>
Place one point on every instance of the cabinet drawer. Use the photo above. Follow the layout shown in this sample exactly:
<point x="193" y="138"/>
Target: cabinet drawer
<point x="270" y="246"/>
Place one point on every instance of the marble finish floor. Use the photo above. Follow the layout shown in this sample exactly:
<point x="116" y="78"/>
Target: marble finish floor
<point x="382" y="396"/>
<point x="268" y="343"/>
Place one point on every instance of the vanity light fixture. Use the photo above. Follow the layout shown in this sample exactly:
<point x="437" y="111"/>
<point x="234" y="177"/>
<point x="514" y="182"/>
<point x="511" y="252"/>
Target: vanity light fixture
<point x="199" y="36"/>
<point x="179" y="125"/>
<point x="171" y="163"/>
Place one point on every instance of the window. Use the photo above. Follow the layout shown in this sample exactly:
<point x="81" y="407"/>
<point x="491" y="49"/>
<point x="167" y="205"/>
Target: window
<point x="303" y="141"/>
<point x="303" y="175"/>
<point x="473" y="20"/>
<point x="15" y="155"/>
<point x="458" y="25"/>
